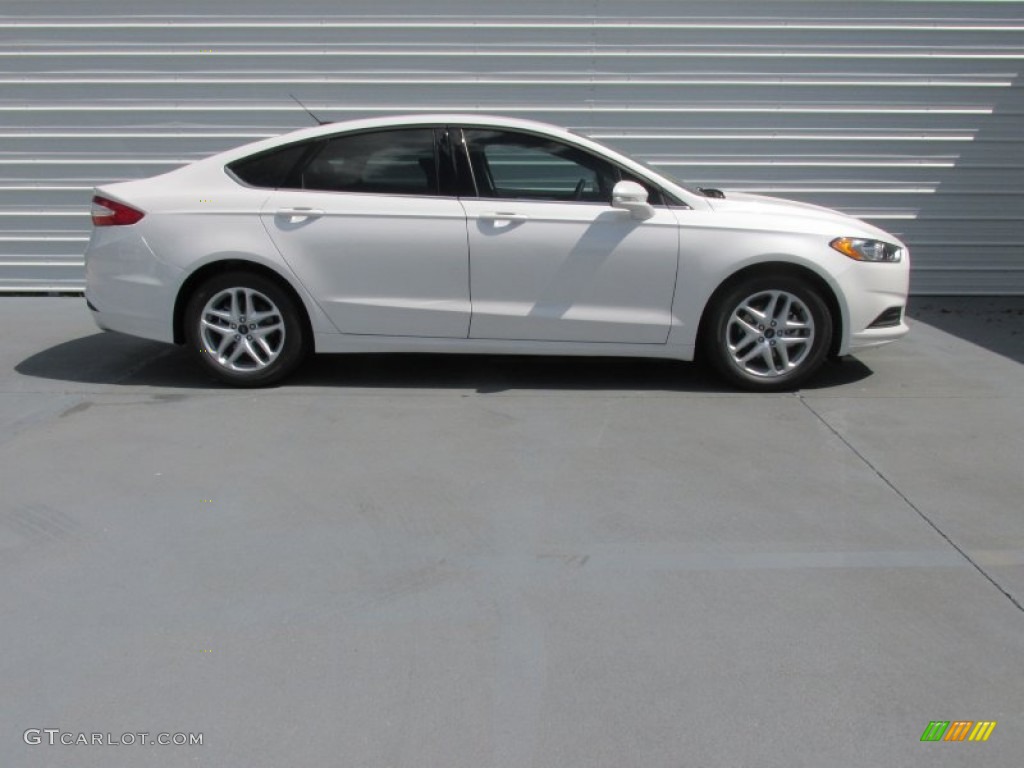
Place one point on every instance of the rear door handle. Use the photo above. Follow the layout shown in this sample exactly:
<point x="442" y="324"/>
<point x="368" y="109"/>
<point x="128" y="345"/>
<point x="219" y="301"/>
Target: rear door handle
<point x="503" y="216"/>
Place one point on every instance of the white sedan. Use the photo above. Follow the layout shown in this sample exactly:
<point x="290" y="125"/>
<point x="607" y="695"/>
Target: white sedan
<point x="461" y="233"/>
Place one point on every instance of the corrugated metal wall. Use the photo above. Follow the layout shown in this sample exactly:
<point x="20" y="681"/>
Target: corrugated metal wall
<point x="909" y="114"/>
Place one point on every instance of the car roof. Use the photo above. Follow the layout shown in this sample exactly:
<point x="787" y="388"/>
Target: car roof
<point x="445" y="118"/>
<point x="398" y="121"/>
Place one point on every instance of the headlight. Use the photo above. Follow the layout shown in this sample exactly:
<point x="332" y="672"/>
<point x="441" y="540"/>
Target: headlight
<point x="867" y="250"/>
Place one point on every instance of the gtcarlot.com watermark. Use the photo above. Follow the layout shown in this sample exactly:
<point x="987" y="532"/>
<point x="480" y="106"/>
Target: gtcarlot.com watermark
<point x="55" y="736"/>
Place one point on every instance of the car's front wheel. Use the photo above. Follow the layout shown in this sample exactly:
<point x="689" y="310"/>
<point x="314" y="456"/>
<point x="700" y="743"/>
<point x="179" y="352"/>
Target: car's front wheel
<point x="768" y="333"/>
<point x="245" y="329"/>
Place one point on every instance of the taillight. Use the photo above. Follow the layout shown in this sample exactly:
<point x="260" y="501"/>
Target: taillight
<point x="110" y="213"/>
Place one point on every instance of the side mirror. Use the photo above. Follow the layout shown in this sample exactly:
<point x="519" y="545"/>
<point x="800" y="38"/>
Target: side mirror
<point x="630" y="196"/>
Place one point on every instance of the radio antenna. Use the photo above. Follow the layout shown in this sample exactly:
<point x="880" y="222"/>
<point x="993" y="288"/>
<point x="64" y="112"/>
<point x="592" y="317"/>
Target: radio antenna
<point x="308" y="112"/>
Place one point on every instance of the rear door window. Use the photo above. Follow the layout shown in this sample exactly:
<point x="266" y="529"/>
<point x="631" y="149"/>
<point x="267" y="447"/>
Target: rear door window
<point x="396" y="162"/>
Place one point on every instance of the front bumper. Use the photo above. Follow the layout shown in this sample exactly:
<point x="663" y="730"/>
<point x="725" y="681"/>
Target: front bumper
<point x="872" y="291"/>
<point x="876" y="337"/>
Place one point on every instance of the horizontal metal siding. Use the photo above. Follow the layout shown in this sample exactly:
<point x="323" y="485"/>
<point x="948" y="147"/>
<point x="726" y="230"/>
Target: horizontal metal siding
<point x="909" y="114"/>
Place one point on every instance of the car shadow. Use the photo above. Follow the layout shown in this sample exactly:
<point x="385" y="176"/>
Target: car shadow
<point x="114" y="359"/>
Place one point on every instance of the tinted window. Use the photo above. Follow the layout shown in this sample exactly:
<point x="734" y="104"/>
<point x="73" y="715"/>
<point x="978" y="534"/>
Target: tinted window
<point x="269" y="169"/>
<point x="389" y="162"/>
<point x="522" y="166"/>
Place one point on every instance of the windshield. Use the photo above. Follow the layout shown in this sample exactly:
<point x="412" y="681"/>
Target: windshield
<point x="611" y="144"/>
<point x="665" y="175"/>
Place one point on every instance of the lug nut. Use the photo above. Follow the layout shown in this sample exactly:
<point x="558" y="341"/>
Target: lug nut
<point x="249" y="337"/>
<point x="760" y="338"/>
<point x="233" y="326"/>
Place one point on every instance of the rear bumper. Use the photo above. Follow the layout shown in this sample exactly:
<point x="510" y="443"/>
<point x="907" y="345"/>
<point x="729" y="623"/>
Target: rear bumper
<point x="145" y="328"/>
<point x="128" y="289"/>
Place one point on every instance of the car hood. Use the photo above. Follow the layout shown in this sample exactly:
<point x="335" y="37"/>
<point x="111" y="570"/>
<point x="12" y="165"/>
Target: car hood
<point x="801" y="215"/>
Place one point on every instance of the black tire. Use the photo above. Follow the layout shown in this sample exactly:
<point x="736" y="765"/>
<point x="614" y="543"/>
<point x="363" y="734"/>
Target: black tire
<point x="268" y="349"/>
<point x="781" y="356"/>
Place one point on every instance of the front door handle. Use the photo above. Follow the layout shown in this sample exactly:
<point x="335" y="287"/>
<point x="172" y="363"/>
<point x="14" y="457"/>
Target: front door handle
<point x="503" y="216"/>
<point x="300" y="213"/>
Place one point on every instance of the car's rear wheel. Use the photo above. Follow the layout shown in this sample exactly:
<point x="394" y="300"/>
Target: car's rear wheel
<point x="245" y="329"/>
<point x="768" y="333"/>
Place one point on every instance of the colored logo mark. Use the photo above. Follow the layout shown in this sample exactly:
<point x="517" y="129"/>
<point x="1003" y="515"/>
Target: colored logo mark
<point x="958" y="730"/>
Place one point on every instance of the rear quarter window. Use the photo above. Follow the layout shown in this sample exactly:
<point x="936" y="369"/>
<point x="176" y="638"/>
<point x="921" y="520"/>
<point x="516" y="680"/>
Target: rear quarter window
<point x="269" y="169"/>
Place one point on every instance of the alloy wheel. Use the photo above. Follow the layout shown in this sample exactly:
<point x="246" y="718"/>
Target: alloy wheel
<point x="770" y="333"/>
<point x="242" y="329"/>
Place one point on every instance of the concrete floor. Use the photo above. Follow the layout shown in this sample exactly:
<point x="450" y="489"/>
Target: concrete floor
<point x="510" y="562"/>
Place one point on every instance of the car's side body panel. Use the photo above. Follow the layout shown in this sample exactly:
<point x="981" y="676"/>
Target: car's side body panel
<point x="351" y="344"/>
<point x="715" y="245"/>
<point x="548" y="271"/>
<point x="377" y="264"/>
<point x="195" y="218"/>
